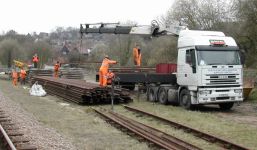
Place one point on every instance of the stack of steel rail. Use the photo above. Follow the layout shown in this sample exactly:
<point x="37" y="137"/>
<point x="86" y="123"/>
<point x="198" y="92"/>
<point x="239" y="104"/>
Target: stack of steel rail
<point x="132" y="69"/>
<point x="155" y="136"/>
<point x="10" y="137"/>
<point x="80" y="91"/>
<point x="40" y="72"/>
<point x="72" y="73"/>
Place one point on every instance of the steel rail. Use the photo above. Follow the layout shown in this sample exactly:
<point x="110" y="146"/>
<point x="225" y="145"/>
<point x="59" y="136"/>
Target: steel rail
<point x="151" y="134"/>
<point x="175" y="141"/>
<point x="7" y="139"/>
<point x="205" y="136"/>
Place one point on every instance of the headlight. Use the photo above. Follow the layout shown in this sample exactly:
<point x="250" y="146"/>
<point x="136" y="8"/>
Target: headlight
<point x="238" y="91"/>
<point x="205" y="92"/>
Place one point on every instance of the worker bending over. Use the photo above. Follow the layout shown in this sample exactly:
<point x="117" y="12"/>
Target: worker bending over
<point x="14" y="77"/>
<point x="35" y="60"/>
<point x="110" y="76"/>
<point x="23" y="76"/>
<point x="56" y="69"/>
<point x="104" y="69"/>
<point x="137" y="55"/>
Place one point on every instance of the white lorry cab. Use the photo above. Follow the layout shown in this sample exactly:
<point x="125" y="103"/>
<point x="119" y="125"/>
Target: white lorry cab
<point x="209" y="69"/>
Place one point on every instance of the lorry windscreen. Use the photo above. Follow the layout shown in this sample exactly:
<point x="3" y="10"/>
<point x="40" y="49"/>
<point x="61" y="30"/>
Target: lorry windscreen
<point x="218" y="57"/>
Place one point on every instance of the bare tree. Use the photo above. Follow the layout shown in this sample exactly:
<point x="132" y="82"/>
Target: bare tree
<point x="246" y="12"/>
<point x="200" y="14"/>
<point x="9" y="49"/>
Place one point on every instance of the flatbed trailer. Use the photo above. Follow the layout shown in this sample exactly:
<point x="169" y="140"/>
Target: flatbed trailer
<point x="127" y="77"/>
<point x="160" y="83"/>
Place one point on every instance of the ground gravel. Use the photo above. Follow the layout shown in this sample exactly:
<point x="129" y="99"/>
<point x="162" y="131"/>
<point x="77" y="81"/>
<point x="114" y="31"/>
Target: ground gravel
<point x="42" y="137"/>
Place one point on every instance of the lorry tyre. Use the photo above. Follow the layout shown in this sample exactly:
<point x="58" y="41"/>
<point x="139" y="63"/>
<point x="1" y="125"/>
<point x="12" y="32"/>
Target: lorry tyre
<point x="185" y="99"/>
<point x="163" y="96"/>
<point x="226" y="106"/>
<point x="151" y="96"/>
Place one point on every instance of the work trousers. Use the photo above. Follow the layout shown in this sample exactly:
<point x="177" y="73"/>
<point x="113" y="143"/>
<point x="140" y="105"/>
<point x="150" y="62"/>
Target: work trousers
<point x="56" y="74"/>
<point x="23" y="80"/>
<point x="137" y="61"/>
<point x="35" y="64"/>
<point x="14" y="81"/>
<point x="103" y="77"/>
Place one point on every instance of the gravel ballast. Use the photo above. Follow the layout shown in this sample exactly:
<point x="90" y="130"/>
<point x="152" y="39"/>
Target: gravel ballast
<point x="42" y="137"/>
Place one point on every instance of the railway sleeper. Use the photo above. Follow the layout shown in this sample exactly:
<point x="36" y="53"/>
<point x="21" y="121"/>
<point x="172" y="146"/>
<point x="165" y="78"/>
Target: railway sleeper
<point x="19" y="139"/>
<point x="10" y="127"/>
<point x="5" y="120"/>
<point x="14" y="133"/>
<point x="25" y="147"/>
<point x="7" y="123"/>
<point x="3" y="116"/>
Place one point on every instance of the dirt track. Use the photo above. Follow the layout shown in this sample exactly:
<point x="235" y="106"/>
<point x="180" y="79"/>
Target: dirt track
<point x="245" y="113"/>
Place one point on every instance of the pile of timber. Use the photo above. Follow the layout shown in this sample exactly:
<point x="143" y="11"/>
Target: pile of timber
<point x="80" y="91"/>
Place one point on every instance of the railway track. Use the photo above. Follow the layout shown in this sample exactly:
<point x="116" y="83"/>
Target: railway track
<point x="154" y="136"/>
<point x="10" y="137"/>
<point x="205" y="136"/>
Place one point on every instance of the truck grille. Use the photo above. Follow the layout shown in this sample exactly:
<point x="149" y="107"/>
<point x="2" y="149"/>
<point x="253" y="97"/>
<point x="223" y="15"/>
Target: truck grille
<point x="222" y="98"/>
<point x="224" y="79"/>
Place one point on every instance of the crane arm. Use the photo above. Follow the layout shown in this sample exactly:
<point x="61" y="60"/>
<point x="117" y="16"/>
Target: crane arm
<point x="115" y="28"/>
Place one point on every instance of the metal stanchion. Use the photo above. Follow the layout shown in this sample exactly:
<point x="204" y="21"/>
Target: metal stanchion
<point x="112" y="95"/>
<point x="138" y="92"/>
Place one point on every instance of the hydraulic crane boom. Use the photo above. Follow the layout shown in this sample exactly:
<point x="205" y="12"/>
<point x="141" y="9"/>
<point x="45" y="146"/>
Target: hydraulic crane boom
<point x="115" y="28"/>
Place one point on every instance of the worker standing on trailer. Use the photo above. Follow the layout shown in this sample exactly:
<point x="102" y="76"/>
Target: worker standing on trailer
<point x="35" y="60"/>
<point x="137" y="55"/>
<point x="14" y="77"/>
<point x="23" y="76"/>
<point x="56" y="69"/>
<point x="103" y="71"/>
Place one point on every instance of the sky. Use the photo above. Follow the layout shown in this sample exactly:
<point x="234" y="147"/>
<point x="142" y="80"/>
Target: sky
<point x="27" y="16"/>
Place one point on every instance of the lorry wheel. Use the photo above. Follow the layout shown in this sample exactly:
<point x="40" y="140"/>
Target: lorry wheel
<point x="185" y="99"/>
<point x="226" y="106"/>
<point x="163" y="96"/>
<point x="151" y="95"/>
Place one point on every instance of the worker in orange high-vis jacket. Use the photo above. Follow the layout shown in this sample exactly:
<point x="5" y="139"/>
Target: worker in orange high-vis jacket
<point x="14" y="77"/>
<point x="23" y="76"/>
<point x="137" y="55"/>
<point x="103" y="71"/>
<point x="35" y="60"/>
<point x="56" y="69"/>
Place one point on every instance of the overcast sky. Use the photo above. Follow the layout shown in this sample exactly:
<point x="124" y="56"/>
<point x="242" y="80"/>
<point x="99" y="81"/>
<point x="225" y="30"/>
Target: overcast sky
<point x="26" y="16"/>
